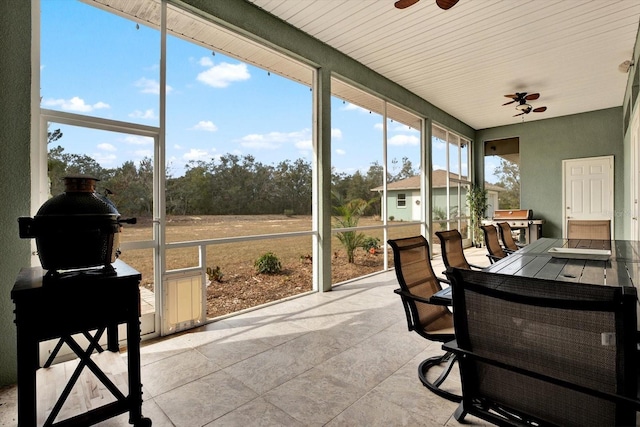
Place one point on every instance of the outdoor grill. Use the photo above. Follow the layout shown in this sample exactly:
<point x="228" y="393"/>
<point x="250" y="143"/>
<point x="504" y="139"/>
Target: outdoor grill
<point x="77" y="229"/>
<point x="520" y="219"/>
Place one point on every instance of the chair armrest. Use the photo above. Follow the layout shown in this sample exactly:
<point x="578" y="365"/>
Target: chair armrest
<point x="508" y="251"/>
<point x="441" y="280"/>
<point x="477" y="267"/>
<point x="411" y="296"/>
<point x="493" y="258"/>
<point x="451" y="346"/>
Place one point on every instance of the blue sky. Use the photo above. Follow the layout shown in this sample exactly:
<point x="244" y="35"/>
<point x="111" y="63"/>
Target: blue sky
<point x="99" y="64"/>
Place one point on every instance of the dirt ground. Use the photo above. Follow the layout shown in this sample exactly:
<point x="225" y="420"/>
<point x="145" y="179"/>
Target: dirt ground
<point x="245" y="289"/>
<point x="241" y="286"/>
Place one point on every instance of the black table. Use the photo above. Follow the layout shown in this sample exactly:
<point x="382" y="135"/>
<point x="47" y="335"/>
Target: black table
<point x="534" y="260"/>
<point x="49" y="307"/>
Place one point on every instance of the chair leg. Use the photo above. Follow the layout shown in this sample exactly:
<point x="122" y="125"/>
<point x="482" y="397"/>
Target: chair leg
<point x="434" y="386"/>
<point x="460" y="412"/>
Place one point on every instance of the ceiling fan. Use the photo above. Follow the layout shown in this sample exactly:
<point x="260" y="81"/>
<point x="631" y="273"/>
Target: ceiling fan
<point x="442" y="4"/>
<point x="521" y="98"/>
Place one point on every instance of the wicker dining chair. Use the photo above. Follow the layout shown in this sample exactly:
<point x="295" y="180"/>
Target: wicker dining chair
<point x="452" y="251"/>
<point x="542" y="352"/>
<point x="418" y="283"/>
<point x="589" y="229"/>
<point x="496" y="252"/>
<point x="507" y="237"/>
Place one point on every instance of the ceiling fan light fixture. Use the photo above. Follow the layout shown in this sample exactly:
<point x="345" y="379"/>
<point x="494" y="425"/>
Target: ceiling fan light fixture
<point x="523" y="107"/>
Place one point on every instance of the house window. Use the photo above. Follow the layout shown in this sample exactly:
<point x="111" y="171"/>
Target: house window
<point x="401" y="201"/>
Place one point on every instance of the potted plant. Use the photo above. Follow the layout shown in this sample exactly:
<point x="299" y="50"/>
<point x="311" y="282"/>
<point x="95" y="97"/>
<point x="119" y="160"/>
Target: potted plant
<point x="477" y="201"/>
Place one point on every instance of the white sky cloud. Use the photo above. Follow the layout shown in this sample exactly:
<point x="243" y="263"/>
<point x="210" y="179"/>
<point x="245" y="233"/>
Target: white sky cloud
<point x="340" y="152"/>
<point x="274" y="140"/>
<point x="224" y="74"/>
<point x="107" y="147"/>
<point x="74" y="104"/>
<point x="138" y="140"/>
<point x="150" y="86"/>
<point x="207" y="125"/>
<point x="146" y="114"/>
<point x="105" y="158"/>
<point x="336" y="133"/>
<point x="144" y="153"/>
<point x="205" y="61"/>
<point x="351" y="107"/>
<point x="403" y="140"/>
<point x="196" y="154"/>
<point x="304" y="145"/>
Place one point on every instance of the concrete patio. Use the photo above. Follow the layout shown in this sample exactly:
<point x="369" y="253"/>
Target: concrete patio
<point x="341" y="358"/>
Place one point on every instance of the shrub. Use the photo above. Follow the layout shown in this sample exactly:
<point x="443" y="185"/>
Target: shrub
<point x="268" y="263"/>
<point x="370" y="243"/>
<point x="215" y="274"/>
<point x="391" y="218"/>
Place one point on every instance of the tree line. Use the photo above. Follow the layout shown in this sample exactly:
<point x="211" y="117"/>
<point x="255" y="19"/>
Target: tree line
<point x="230" y="184"/>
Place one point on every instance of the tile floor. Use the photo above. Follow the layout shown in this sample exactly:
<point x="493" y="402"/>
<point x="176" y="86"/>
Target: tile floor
<point x="340" y="358"/>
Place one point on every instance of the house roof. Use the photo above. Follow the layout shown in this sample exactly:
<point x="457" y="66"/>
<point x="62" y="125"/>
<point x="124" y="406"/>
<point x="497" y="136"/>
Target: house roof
<point x="438" y="180"/>
<point x="462" y="60"/>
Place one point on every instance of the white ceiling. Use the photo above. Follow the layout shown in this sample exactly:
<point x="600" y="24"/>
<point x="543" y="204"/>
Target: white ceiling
<point x="465" y="59"/>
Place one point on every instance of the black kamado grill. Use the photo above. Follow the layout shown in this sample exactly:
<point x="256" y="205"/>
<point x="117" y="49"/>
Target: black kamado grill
<point x="78" y="229"/>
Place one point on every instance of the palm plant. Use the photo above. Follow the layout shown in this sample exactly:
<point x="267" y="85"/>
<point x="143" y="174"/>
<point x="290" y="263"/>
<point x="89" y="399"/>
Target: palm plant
<point x="347" y="215"/>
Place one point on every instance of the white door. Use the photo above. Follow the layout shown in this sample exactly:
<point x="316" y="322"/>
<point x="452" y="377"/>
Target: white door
<point x="588" y="189"/>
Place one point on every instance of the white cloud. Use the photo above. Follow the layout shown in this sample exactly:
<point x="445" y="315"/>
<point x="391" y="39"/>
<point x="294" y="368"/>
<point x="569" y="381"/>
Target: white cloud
<point x="404" y="140"/>
<point x="304" y="145"/>
<point x="177" y="146"/>
<point x="439" y="144"/>
<point x="144" y="153"/>
<point x="74" y="104"/>
<point x="205" y="61"/>
<point x="336" y="133"/>
<point x="147" y="114"/>
<point x="378" y="126"/>
<point x="340" y="152"/>
<point x="107" y="147"/>
<point x="104" y="158"/>
<point x="150" y="86"/>
<point x="353" y="107"/>
<point x="196" y="154"/>
<point x="138" y="140"/>
<point x="224" y="74"/>
<point x="207" y="125"/>
<point x="399" y="127"/>
<point x="274" y="140"/>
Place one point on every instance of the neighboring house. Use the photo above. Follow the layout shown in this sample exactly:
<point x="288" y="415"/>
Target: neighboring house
<point x="404" y="203"/>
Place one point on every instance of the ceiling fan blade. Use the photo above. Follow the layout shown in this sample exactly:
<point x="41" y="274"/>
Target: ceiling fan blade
<point x="510" y="102"/>
<point x="519" y="114"/>
<point x="403" y="4"/>
<point x="539" y="109"/>
<point x="446" y="4"/>
<point x="512" y="96"/>
<point x="532" y="96"/>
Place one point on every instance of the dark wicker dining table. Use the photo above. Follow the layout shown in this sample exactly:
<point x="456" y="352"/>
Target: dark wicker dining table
<point x="551" y="258"/>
